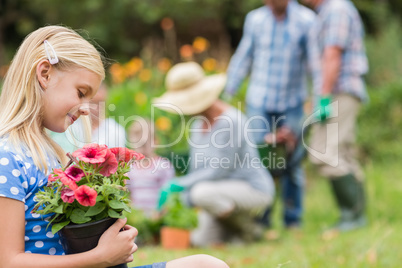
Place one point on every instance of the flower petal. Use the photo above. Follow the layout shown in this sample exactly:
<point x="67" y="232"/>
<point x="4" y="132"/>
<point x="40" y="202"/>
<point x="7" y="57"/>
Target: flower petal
<point x="91" y="153"/>
<point x="85" y="195"/>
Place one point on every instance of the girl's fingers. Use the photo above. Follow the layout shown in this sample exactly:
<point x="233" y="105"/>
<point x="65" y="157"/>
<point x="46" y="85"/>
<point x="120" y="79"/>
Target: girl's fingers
<point x="134" y="249"/>
<point x="131" y="231"/>
<point x="118" y="225"/>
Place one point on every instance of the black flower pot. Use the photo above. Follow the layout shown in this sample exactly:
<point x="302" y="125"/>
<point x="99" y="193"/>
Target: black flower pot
<point x="79" y="238"/>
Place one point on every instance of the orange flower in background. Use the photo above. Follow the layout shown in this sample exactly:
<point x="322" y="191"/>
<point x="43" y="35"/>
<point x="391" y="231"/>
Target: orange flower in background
<point x="118" y="73"/>
<point x="164" y="65"/>
<point x="167" y="24"/>
<point x="186" y="51"/>
<point x="163" y="123"/>
<point x="145" y="75"/>
<point x="140" y="98"/>
<point x="133" y="66"/>
<point x="209" y="64"/>
<point x="200" y="44"/>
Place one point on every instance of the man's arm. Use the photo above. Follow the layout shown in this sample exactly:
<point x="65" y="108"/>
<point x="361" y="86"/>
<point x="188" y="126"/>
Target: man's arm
<point x="240" y="62"/>
<point x="331" y="65"/>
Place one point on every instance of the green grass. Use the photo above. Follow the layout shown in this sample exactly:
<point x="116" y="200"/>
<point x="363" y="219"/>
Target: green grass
<point x="376" y="245"/>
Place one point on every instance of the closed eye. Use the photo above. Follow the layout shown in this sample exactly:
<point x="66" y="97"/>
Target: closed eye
<point x="80" y="94"/>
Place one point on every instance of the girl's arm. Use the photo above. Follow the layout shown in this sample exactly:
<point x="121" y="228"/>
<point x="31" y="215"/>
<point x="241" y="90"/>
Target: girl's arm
<point x="114" y="247"/>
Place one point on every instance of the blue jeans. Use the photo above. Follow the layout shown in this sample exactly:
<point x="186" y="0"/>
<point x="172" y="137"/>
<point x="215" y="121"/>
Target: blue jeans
<point x="155" y="265"/>
<point x="292" y="178"/>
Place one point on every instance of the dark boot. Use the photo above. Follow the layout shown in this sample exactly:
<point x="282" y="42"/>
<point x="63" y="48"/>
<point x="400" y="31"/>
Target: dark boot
<point x="350" y="197"/>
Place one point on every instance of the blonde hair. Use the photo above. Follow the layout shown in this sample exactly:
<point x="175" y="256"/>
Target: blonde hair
<point x="21" y="99"/>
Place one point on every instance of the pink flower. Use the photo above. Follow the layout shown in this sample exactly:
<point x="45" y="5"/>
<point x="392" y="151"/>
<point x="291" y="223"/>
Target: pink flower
<point x="64" y="178"/>
<point x="67" y="181"/>
<point x="124" y="154"/>
<point x="55" y="174"/>
<point x="75" y="173"/>
<point x="92" y="153"/>
<point x="67" y="195"/>
<point x="110" y="165"/>
<point x="85" y="195"/>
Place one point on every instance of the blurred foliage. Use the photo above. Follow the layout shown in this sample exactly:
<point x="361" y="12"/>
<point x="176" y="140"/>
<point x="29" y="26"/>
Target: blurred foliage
<point x="178" y="215"/>
<point x="120" y="26"/>
<point x="131" y="95"/>
<point x="380" y="121"/>
<point x="384" y="52"/>
<point x="148" y="228"/>
<point x="123" y="27"/>
<point x="380" y="124"/>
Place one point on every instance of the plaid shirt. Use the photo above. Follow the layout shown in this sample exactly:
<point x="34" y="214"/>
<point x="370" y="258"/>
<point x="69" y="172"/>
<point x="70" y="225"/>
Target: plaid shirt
<point x="275" y="54"/>
<point x="339" y="24"/>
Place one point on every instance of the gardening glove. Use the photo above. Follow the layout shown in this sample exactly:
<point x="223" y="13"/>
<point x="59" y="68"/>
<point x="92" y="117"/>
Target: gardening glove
<point x="324" y="108"/>
<point x="171" y="187"/>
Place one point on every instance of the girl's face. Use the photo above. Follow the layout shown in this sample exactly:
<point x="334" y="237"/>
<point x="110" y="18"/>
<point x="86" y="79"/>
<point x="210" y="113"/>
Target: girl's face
<point x="67" y="96"/>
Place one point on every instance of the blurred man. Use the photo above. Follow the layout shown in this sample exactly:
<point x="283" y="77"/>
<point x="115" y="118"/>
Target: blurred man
<point x="339" y="63"/>
<point x="273" y="50"/>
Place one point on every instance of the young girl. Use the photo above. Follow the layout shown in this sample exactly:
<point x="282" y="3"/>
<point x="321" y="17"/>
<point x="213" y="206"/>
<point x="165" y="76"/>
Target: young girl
<point x="48" y="85"/>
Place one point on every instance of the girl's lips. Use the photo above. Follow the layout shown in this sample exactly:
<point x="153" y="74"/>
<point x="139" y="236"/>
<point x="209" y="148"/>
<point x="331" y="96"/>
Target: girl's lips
<point x="72" y="118"/>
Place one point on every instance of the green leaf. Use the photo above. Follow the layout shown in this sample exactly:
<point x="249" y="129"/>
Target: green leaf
<point x="78" y="216"/>
<point x="113" y="214"/>
<point x="128" y="209"/>
<point x="46" y="210"/>
<point x="101" y="215"/>
<point x="58" y="226"/>
<point x="59" y="209"/>
<point x="95" y="210"/>
<point x="117" y="205"/>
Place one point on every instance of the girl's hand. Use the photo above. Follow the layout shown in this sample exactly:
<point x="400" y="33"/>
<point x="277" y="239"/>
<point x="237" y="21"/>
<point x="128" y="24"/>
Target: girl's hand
<point x="117" y="245"/>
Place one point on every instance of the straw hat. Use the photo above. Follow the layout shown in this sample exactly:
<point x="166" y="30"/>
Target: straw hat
<point x="189" y="91"/>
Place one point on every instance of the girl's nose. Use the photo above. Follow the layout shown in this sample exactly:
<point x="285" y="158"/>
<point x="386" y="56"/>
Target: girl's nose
<point x="84" y="109"/>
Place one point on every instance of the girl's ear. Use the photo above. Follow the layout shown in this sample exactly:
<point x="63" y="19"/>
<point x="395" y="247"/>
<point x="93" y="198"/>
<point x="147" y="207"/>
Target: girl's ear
<point x="43" y="73"/>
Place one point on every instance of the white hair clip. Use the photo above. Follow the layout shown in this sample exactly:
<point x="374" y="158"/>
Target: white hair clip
<point x="53" y="59"/>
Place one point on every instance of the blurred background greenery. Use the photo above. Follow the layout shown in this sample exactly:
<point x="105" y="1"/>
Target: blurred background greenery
<point x="125" y="28"/>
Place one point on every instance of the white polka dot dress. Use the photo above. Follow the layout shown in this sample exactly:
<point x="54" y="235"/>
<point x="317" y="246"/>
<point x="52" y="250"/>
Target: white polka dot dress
<point x="20" y="179"/>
